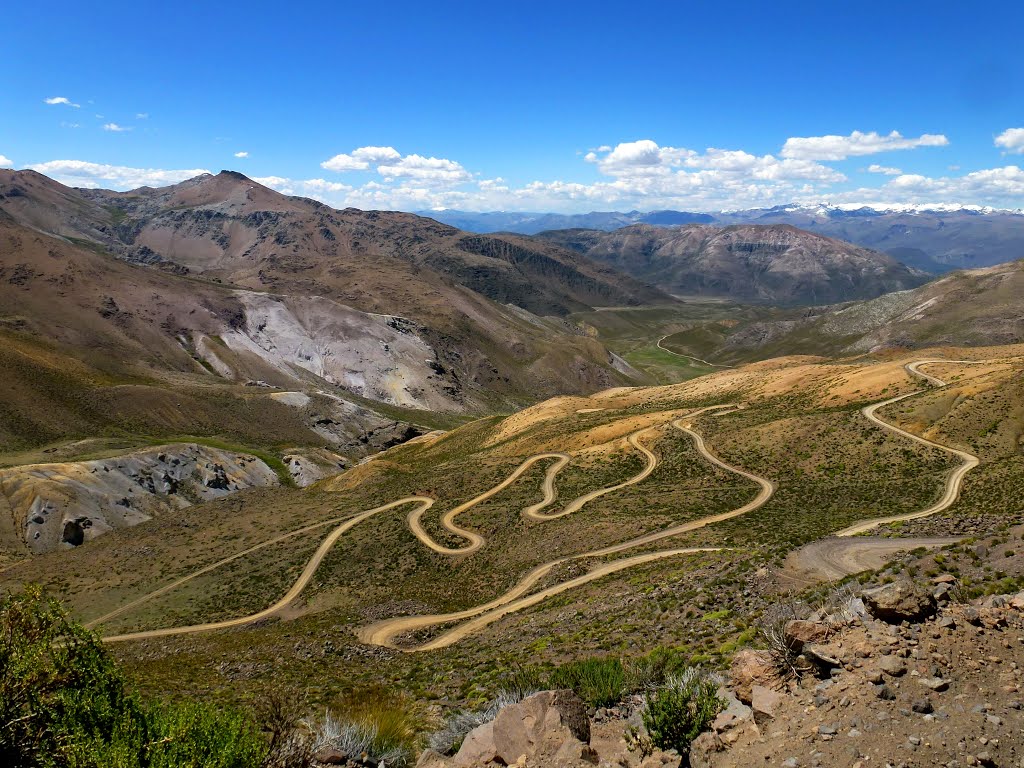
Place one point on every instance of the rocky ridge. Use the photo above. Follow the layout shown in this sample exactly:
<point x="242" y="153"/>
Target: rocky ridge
<point x="50" y="506"/>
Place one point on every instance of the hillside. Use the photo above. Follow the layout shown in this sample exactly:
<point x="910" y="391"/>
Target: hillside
<point x="933" y="238"/>
<point x="937" y="239"/>
<point x="747" y="263"/>
<point x="390" y="307"/>
<point x="639" y="523"/>
<point x="968" y="308"/>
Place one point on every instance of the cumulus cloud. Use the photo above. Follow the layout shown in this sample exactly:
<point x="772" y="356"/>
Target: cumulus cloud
<point x="884" y="169"/>
<point x="115" y="128"/>
<point x="79" y="173"/>
<point x="241" y="154"/>
<point x="318" y="189"/>
<point x="361" y="159"/>
<point x="1011" y="140"/>
<point x="645" y="158"/>
<point x="856" y="144"/>
<point x="61" y="100"/>
<point x="392" y="165"/>
<point x="5" y="162"/>
<point x="431" y="170"/>
<point x="997" y="187"/>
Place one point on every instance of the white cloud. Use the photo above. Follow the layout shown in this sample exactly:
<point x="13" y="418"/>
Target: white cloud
<point x="5" y="162"/>
<point x="241" y="154"/>
<point x="115" y="128"/>
<point x="64" y="124"/>
<point x="361" y="159"/>
<point x="79" y="173"/>
<point x="856" y="144"/>
<point x="997" y="187"/>
<point x="644" y="158"/>
<point x="389" y="163"/>
<point x="884" y="169"/>
<point x="61" y="100"/>
<point x="431" y="170"/>
<point x="318" y="189"/>
<point x="142" y="115"/>
<point x="1011" y="140"/>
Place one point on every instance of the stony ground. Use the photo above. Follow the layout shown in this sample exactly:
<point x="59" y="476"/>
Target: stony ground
<point x="900" y="673"/>
<point x="946" y="692"/>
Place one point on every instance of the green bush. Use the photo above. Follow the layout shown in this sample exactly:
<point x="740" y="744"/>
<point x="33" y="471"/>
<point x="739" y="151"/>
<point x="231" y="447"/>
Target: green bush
<point x="599" y="682"/>
<point x="677" y="713"/>
<point x="63" y="703"/>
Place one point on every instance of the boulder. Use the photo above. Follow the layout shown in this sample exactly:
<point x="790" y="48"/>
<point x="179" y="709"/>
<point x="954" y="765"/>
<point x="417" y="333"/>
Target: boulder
<point x="575" y="752"/>
<point x="750" y="668"/>
<point x="765" y="703"/>
<point x="900" y="601"/>
<point x="539" y="724"/>
<point x="1017" y="601"/>
<point x="800" y="632"/>
<point x="943" y="593"/>
<point x="477" y="748"/>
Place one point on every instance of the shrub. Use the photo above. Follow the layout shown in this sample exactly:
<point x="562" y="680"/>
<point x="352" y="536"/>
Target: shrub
<point x="373" y="723"/>
<point x="599" y="682"/>
<point x="644" y="673"/>
<point x="63" y="703"/>
<point x="201" y="734"/>
<point x="677" y="713"/>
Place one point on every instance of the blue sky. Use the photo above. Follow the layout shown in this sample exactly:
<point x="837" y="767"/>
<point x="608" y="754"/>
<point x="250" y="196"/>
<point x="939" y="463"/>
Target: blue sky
<point x="556" y="106"/>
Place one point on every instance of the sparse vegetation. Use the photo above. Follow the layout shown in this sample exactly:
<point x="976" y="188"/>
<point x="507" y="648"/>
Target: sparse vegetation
<point x="677" y="712"/>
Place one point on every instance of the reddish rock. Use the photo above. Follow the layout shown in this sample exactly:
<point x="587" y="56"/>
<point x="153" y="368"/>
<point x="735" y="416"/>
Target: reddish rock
<point x="540" y="723"/>
<point x="800" y="632"/>
<point x="765" y="703"/>
<point x="750" y="668"/>
<point x="478" y="747"/>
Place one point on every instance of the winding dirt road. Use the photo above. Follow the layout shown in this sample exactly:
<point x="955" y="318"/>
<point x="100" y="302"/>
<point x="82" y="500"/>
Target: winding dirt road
<point x="954" y="480"/>
<point x="384" y="632"/>
<point x="519" y="596"/>
<point x="689" y="357"/>
<point x="511" y="601"/>
<point x="834" y="558"/>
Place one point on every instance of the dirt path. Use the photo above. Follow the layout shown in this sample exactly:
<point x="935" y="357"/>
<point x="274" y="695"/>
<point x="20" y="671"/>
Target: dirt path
<point x="577" y="504"/>
<point x="296" y="589"/>
<point x="475" y="539"/>
<point x="827" y="557"/>
<point x="954" y="480"/>
<point x="384" y="632"/>
<point x="689" y="357"/>
<point x="834" y="558"/>
<point x="488" y="612"/>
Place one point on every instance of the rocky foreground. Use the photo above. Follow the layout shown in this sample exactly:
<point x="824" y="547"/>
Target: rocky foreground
<point x="901" y="675"/>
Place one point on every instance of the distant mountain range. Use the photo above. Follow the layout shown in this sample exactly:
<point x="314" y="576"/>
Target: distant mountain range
<point x="935" y="238"/>
<point x="752" y="263"/>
